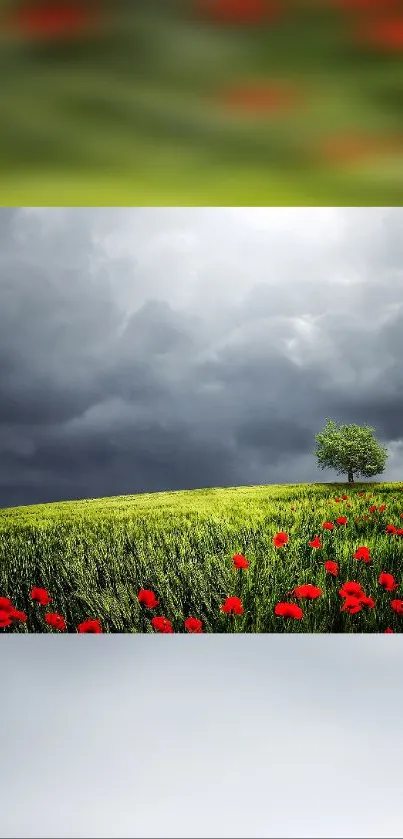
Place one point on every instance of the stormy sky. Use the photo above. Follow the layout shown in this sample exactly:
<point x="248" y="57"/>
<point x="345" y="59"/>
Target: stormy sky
<point x="169" y="348"/>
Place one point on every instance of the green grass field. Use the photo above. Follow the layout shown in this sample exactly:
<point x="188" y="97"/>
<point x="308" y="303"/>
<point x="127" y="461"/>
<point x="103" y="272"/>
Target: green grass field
<point x="94" y="556"/>
<point x="142" y="113"/>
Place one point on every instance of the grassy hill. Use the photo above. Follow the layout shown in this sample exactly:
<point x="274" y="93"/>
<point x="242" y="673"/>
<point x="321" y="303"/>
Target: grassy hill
<point x="94" y="557"/>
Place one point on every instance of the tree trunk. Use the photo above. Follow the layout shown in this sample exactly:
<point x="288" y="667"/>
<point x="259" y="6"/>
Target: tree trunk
<point x="350" y="476"/>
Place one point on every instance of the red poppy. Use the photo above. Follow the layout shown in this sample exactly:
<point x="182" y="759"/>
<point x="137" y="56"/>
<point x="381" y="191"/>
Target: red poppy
<point x="363" y="5"/>
<point x="240" y="561"/>
<point x="280" y="539"/>
<point x="390" y="528"/>
<point x="162" y="625"/>
<point x="363" y="553"/>
<point x="316" y="542"/>
<point x="16" y="615"/>
<point x="341" y="520"/>
<point x="193" y="625"/>
<point x="331" y="568"/>
<point x="288" y="610"/>
<point x="397" y="606"/>
<point x="307" y="591"/>
<point x="260" y="98"/>
<point x="49" y="19"/>
<point x="5" y="604"/>
<point x="344" y="497"/>
<point x="56" y="621"/>
<point x="148" y="598"/>
<point x="337" y="500"/>
<point x="233" y="605"/>
<point x="388" y="629"/>
<point x="382" y="508"/>
<point x="351" y="605"/>
<point x="41" y="596"/>
<point x="328" y="525"/>
<point x="399" y="531"/>
<point x="90" y="626"/>
<point x="383" y="33"/>
<point x="387" y="581"/>
<point x="5" y="618"/>
<point x="361" y="494"/>
<point x="351" y="589"/>
<point x="240" y="12"/>
<point x="372" y="508"/>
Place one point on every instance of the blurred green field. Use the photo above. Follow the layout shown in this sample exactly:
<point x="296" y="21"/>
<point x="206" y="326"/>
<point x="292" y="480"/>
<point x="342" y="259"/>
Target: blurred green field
<point x="94" y="556"/>
<point x="144" y="113"/>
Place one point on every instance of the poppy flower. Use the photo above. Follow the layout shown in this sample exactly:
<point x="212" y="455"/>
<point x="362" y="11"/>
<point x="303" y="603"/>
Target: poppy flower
<point x="193" y="625"/>
<point x="344" y="497"/>
<point x="16" y="615"/>
<point x="372" y="508"/>
<point x="238" y="12"/>
<point x="383" y="33"/>
<point x="162" y="625"/>
<point x="328" y="525"/>
<point x="50" y="20"/>
<point x="387" y="581"/>
<point x="390" y="528"/>
<point x="148" y="598"/>
<point x="55" y="621"/>
<point x="5" y="604"/>
<point x="397" y="606"/>
<point x="351" y="589"/>
<point x="280" y="539"/>
<point x="5" y="618"/>
<point x="388" y="630"/>
<point x="90" y="626"/>
<point x="341" y="520"/>
<point x="240" y="561"/>
<point x="288" y="610"/>
<point x="331" y="568"/>
<point x="399" y="531"/>
<point x="232" y="605"/>
<point x="351" y="605"/>
<point x="260" y="98"/>
<point x="40" y="595"/>
<point x="363" y="553"/>
<point x="337" y="500"/>
<point x="315" y="543"/>
<point x="382" y="508"/>
<point x="307" y="591"/>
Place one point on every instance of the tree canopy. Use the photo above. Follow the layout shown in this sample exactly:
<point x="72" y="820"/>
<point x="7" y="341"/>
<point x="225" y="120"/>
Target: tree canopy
<point x="350" y="449"/>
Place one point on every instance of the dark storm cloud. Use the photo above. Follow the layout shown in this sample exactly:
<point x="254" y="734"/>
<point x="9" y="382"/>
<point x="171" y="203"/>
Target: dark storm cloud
<point x="154" y="349"/>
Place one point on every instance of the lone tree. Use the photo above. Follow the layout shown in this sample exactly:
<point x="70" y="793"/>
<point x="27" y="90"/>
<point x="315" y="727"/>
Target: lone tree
<point x="351" y="449"/>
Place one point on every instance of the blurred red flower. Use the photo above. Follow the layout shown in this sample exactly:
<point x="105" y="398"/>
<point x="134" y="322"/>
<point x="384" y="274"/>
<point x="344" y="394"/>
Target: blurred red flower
<point x="90" y="626"/>
<point x="56" y="621"/>
<point x="307" y="591"/>
<point x="53" y="20"/>
<point x="341" y="520"/>
<point x="232" y="605"/>
<point x="240" y="561"/>
<point x="288" y="610"/>
<point x="193" y="625"/>
<point x="387" y="581"/>
<point x="331" y="567"/>
<point x="397" y="606"/>
<point x="316" y="542"/>
<point x="40" y="595"/>
<point x="162" y="625"/>
<point x="363" y="553"/>
<point x="280" y="539"/>
<point x="148" y="598"/>
<point x="328" y="525"/>
<point x="240" y="12"/>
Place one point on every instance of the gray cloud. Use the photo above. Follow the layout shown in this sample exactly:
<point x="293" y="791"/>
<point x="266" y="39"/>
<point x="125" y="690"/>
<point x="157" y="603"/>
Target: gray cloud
<point x="146" y="349"/>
